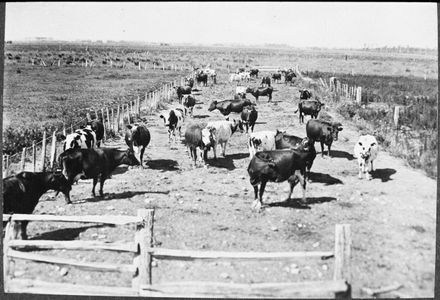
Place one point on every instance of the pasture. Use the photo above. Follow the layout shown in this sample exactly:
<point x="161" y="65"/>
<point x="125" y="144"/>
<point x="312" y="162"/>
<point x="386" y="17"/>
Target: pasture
<point x="392" y="217"/>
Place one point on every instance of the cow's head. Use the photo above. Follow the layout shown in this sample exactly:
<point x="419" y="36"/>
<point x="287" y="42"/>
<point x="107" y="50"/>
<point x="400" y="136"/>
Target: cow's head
<point x="208" y="137"/>
<point x="334" y="129"/>
<point x="307" y="145"/>
<point x="129" y="158"/>
<point x="59" y="183"/>
<point x="249" y="90"/>
<point x="236" y="124"/>
<point x="169" y="119"/>
<point x="279" y="135"/>
<point x="365" y="144"/>
<point x="213" y="105"/>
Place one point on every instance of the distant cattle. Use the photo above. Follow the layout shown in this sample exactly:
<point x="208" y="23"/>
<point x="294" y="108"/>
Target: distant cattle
<point x="94" y="164"/>
<point x="240" y="92"/>
<point x="254" y="72"/>
<point x="202" y="78"/>
<point x="244" y="76"/>
<point x="189" y="82"/>
<point x="211" y="74"/>
<point x="82" y="138"/>
<point x="249" y="116"/>
<point x="277" y="166"/>
<point x="137" y="136"/>
<point x="265" y="81"/>
<point x="182" y="90"/>
<point x="308" y="107"/>
<point x="234" y="78"/>
<point x="227" y="106"/>
<point x="305" y="94"/>
<point x="173" y="119"/>
<point x="199" y="140"/>
<point x="21" y="192"/>
<point x="261" y="141"/>
<point x="240" y="70"/>
<point x="258" y="92"/>
<point x="189" y="102"/>
<point x="223" y="132"/>
<point x="276" y="77"/>
<point x="366" y="151"/>
<point x="324" y="132"/>
<point x="289" y="76"/>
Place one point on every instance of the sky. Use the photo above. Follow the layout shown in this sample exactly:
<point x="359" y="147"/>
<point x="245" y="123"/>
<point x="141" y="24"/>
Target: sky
<point x="299" y="24"/>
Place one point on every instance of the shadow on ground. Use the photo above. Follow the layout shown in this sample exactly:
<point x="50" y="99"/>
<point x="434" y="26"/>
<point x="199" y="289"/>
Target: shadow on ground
<point x="65" y="233"/>
<point x="295" y="203"/>
<point x="163" y="164"/>
<point x="222" y="162"/>
<point x="383" y="174"/>
<point x="324" y="178"/>
<point x="341" y="154"/>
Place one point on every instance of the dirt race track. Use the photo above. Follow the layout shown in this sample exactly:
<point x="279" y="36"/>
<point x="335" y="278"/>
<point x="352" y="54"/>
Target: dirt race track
<point x="392" y="216"/>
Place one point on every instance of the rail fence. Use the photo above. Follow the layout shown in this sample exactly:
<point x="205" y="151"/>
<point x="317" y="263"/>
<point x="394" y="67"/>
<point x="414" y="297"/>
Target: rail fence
<point x="42" y="154"/>
<point x="144" y="251"/>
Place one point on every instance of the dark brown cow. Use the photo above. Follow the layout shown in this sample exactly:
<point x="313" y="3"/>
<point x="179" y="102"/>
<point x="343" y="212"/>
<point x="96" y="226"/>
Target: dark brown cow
<point x="309" y="107"/>
<point x="249" y="116"/>
<point x="182" y="90"/>
<point x="94" y="163"/>
<point x="324" y="132"/>
<point x="257" y="92"/>
<point x="137" y="135"/>
<point x="21" y="192"/>
<point x="227" y="106"/>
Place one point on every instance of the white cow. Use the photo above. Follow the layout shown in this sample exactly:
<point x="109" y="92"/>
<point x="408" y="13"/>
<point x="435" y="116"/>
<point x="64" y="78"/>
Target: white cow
<point x="366" y="150"/>
<point x="234" y="77"/>
<point x="261" y="141"/>
<point x="223" y="132"/>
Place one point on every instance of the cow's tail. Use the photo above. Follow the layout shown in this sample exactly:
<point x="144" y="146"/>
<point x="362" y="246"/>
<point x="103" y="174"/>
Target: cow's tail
<point x="296" y="111"/>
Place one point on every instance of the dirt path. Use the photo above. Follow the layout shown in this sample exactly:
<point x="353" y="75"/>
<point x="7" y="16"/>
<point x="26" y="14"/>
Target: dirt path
<point x="392" y="216"/>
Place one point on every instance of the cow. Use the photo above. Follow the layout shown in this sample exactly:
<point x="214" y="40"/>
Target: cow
<point x="308" y="107"/>
<point x="227" y="106"/>
<point x="94" y="163"/>
<point x="305" y="94"/>
<point x="277" y="166"/>
<point x="189" y="102"/>
<point x="249" y="116"/>
<point x="82" y="138"/>
<point x="276" y="77"/>
<point x="202" y="78"/>
<point x="98" y="128"/>
<point x="223" y="132"/>
<point x="261" y="141"/>
<point x="324" y="132"/>
<point x="240" y="70"/>
<point x="240" y="92"/>
<point x="366" y="151"/>
<point x="137" y="136"/>
<point x="173" y="119"/>
<point x="286" y="141"/>
<point x="189" y="82"/>
<point x="257" y="92"/>
<point x="254" y="72"/>
<point x="22" y="191"/>
<point x="265" y="81"/>
<point x="199" y="140"/>
<point x="182" y="90"/>
<point x="212" y="74"/>
<point x="289" y="76"/>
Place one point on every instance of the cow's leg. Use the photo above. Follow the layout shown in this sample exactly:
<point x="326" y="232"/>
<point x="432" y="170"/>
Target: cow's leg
<point x="224" y="149"/>
<point x="262" y="187"/>
<point x="293" y="180"/>
<point x="214" y="149"/>
<point x="368" y="170"/>
<point x="95" y="181"/>
<point x="101" y="184"/>
<point x="322" y="149"/>
<point x="303" y="182"/>
<point x="328" y="152"/>
<point x="361" y="163"/>
<point x="142" y="155"/>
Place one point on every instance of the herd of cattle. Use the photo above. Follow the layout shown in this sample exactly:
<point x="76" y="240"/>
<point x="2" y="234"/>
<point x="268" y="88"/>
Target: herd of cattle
<point x="274" y="155"/>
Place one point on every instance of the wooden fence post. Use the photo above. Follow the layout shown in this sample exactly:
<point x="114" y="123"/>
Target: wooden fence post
<point x="89" y="118"/>
<point x="34" y="157"/>
<point x="118" y="116"/>
<point x="144" y="240"/>
<point x="43" y="153"/>
<point x="8" y="263"/>
<point x="343" y="257"/>
<point x="104" y="124"/>
<point x="6" y="167"/>
<point x="23" y="159"/>
<point x="113" y="120"/>
<point x="396" y="116"/>
<point x="108" y="118"/>
<point x="53" y="150"/>
<point x="359" y="95"/>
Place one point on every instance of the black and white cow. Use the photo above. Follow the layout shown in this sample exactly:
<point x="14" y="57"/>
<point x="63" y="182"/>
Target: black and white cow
<point x="173" y="119"/>
<point x="137" y="136"/>
<point x="82" y="138"/>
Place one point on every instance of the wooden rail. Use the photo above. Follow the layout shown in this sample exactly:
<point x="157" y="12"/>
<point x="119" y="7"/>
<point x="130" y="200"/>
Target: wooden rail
<point x="142" y="283"/>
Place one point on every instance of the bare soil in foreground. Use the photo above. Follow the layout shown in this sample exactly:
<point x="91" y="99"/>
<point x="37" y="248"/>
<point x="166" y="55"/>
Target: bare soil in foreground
<point x="392" y="217"/>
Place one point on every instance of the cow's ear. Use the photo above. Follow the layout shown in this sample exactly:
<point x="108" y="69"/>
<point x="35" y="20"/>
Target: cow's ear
<point x="360" y="144"/>
<point x="373" y="144"/>
<point x="340" y="129"/>
<point x="129" y="126"/>
<point x="62" y="137"/>
<point x="161" y="116"/>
